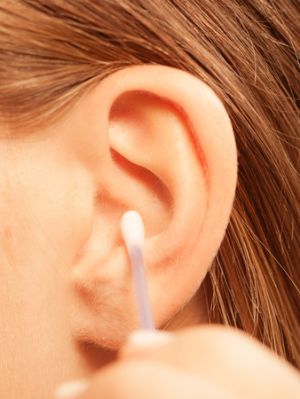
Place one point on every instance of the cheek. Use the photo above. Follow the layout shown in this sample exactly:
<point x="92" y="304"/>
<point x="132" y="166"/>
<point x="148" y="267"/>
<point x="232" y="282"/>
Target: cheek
<point x="62" y="209"/>
<point x="45" y="211"/>
<point x="49" y="210"/>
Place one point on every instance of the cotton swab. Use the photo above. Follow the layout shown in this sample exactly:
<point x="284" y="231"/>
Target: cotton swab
<point x="132" y="228"/>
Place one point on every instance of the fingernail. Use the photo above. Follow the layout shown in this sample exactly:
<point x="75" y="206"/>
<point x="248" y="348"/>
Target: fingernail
<point x="148" y="338"/>
<point x="71" y="389"/>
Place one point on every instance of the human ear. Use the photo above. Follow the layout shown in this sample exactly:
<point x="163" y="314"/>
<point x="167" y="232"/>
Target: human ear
<point x="157" y="140"/>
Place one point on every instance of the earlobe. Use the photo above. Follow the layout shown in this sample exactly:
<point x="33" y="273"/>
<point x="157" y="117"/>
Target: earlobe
<point x="168" y="151"/>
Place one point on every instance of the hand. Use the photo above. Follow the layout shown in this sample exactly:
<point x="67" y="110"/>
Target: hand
<point x="209" y="362"/>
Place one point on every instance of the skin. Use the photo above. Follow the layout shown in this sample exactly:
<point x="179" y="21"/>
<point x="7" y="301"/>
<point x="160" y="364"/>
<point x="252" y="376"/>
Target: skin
<point x="209" y="362"/>
<point x="149" y="138"/>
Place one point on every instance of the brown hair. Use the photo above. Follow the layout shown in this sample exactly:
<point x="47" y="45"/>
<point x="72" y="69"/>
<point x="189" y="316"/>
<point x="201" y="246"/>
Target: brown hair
<point x="52" y="51"/>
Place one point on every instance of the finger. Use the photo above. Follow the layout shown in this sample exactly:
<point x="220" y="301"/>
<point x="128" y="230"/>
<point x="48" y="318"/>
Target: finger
<point x="137" y="379"/>
<point x="228" y="356"/>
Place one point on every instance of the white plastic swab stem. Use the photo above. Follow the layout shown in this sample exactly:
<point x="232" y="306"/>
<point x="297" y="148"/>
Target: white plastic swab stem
<point x="132" y="228"/>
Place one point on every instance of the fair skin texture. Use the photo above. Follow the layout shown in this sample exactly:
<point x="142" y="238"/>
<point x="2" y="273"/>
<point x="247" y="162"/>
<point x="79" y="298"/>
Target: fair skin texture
<point x="149" y="138"/>
<point x="208" y="362"/>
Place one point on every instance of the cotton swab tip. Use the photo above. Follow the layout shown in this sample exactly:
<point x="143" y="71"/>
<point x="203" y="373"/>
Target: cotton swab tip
<point x="132" y="228"/>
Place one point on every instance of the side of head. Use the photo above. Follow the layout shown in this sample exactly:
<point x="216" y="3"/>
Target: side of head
<point x="154" y="106"/>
